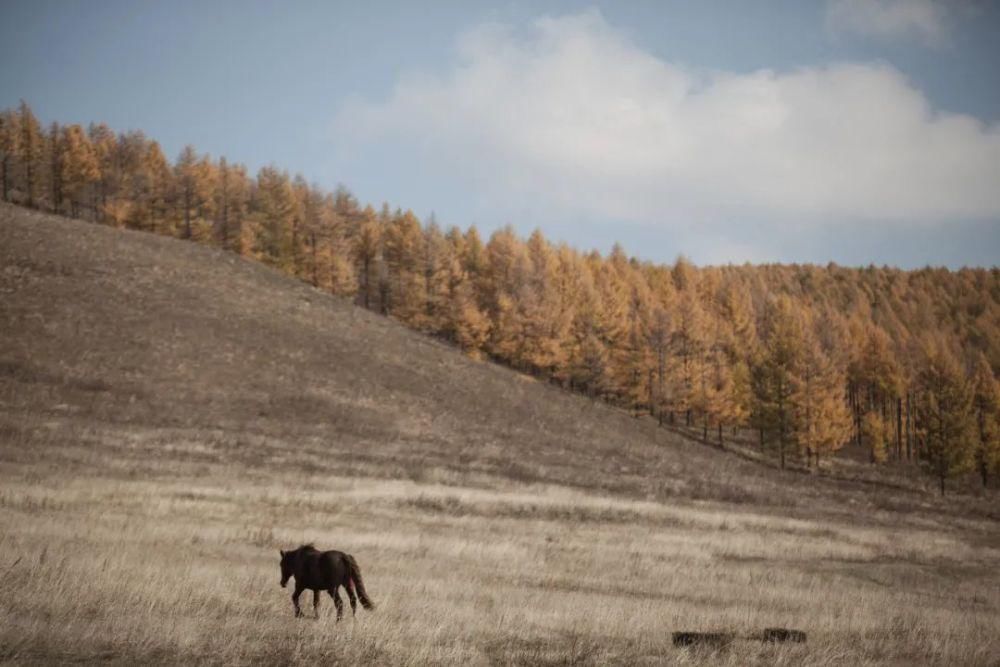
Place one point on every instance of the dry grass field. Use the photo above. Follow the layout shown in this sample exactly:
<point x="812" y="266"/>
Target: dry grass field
<point x="171" y="416"/>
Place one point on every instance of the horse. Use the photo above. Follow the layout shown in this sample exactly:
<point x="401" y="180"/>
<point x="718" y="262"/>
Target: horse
<point x="324" y="571"/>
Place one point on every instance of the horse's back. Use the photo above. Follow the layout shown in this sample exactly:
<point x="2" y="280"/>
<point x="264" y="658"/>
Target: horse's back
<point x="325" y="569"/>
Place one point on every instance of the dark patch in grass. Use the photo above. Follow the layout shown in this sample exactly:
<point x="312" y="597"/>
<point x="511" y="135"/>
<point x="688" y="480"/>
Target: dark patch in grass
<point x="714" y="640"/>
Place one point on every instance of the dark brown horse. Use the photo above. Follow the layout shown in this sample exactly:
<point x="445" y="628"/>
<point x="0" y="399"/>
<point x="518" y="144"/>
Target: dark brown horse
<point x="324" y="571"/>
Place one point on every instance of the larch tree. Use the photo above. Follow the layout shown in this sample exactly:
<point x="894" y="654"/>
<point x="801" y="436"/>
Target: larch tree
<point x="543" y="314"/>
<point x="129" y="207"/>
<point x="402" y="248"/>
<point x="366" y="251"/>
<point x="231" y="197"/>
<point x="728" y="397"/>
<point x="80" y="168"/>
<point x="10" y="142"/>
<point x="945" y="421"/>
<point x="338" y="225"/>
<point x="634" y="359"/>
<point x="612" y="323"/>
<point x="273" y="206"/>
<point x="157" y="183"/>
<point x="740" y="345"/>
<point x="689" y="344"/>
<point x="774" y="377"/>
<point x="660" y="333"/>
<point x="659" y="344"/>
<point x="465" y="322"/>
<point x="434" y="260"/>
<point x="192" y="190"/>
<point x="473" y="259"/>
<point x="823" y="419"/>
<point x="875" y="431"/>
<point x="876" y="380"/>
<point x="587" y="356"/>
<point x="105" y="143"/>
<point x="56" y="153"/>
<point x="506" y="272"/>
<point x="986" y="403"/>
<point x="30" y="153"/>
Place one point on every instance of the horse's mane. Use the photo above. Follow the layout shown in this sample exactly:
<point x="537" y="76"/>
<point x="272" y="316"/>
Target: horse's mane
<point x="307" y="547"/>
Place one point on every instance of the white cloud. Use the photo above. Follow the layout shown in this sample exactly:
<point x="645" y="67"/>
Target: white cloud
<point x="926" y="20"/>
<point x="571" y="118"/>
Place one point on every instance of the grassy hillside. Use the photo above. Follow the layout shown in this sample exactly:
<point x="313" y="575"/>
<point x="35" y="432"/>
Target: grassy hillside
<point x="171" y="415"/>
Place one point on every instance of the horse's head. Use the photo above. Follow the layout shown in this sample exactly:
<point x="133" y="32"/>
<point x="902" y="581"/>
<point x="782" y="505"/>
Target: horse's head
<point x="286" y="567"/>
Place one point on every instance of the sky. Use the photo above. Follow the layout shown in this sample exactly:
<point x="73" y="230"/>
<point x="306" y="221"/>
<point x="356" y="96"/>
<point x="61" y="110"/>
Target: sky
<point x="854" y="131"/>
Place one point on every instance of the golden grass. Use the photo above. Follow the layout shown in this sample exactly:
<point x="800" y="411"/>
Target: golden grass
<point x="182" y="566"/>
<point x="171" y="416"/>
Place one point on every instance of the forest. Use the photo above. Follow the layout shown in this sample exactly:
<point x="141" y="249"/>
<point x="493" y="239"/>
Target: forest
<point x="808" y="359"/>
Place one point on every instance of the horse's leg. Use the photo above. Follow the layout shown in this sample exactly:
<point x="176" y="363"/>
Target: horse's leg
<point x="316" y="602"/>
<point x="352" y="597"/>
<point x="295" y="599"/>
<point x="338" y="602"/>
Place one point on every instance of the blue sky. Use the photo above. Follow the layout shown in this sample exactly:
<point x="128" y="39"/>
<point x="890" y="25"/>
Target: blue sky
<point x="857" y="131"/>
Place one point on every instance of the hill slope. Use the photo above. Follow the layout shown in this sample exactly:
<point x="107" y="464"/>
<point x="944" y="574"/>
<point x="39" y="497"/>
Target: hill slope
<point x="169" y="346"/>
<point x="138" y="331"/>
<point x="171" y="416"/>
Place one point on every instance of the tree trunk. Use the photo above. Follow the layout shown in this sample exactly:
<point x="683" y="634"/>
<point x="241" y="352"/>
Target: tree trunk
<point x="367" y="272"/>
<point x="315" y="260"/>
<point x="981" y="453"/>
<point x="909" y="437"/>
<point x="781" y="443"/>
<point x="899" y="428"/>
<point x="187" y="213"/>
<point x="29" y="181"/>
<point x="225" y="220"/>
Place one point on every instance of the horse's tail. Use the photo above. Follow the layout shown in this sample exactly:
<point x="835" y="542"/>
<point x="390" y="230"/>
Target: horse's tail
<point x="356" y="581"/>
